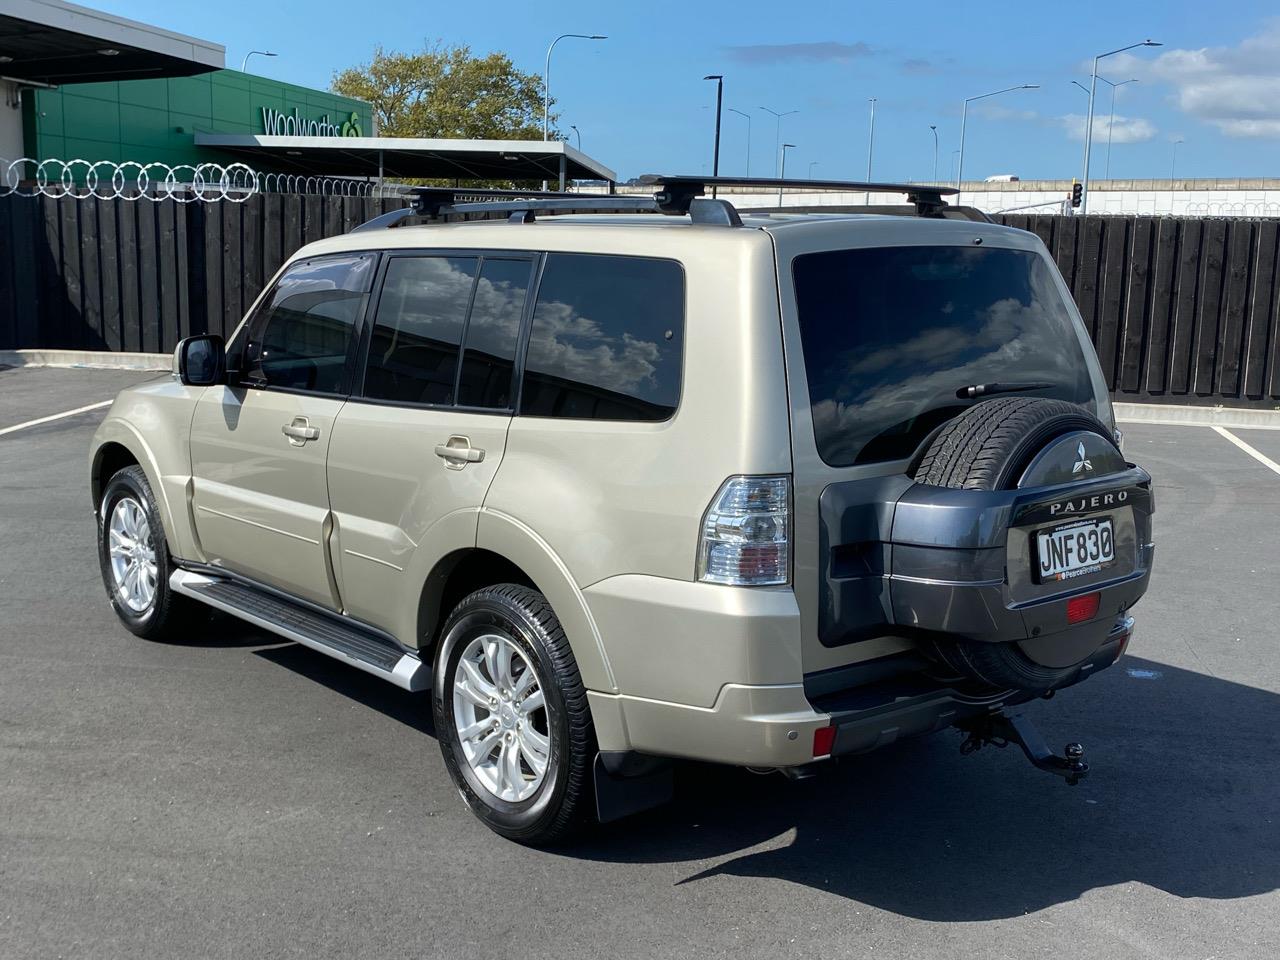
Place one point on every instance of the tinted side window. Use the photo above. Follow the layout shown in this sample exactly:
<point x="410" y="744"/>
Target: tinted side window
<point x="607" y="341"/>
<point x="493" y="330"/>
<point x="299" y="337"/>
<point x="413" y="355"/>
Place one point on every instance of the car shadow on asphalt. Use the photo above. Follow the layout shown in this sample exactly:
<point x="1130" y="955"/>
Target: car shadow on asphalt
<point x="411" y="709"/>
<point x="1181" y="797"/>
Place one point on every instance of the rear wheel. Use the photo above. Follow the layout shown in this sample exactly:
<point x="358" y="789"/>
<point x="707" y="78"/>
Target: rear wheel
<point x="511" y="715"/>
<point x="987" y="448"/>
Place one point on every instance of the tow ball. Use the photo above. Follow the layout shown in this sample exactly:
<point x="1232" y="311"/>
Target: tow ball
<point x="999" y="730"/>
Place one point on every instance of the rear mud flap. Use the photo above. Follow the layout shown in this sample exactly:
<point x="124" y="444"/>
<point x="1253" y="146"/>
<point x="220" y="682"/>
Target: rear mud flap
<point x="628" y="783"/>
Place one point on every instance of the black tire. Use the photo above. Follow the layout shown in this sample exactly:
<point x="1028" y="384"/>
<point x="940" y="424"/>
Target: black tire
<point x="989" y="445"/>
<point x="564" y="800"/>
<point x="170" y="617"/>
<point x="987" y="448"/>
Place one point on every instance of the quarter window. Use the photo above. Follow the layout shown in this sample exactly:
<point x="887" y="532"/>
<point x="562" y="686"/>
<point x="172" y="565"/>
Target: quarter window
<point x="417" y="332"/>
<point x="607" y="341"/>
<point x="493" y="330"/>
<point x="299" y="339"/>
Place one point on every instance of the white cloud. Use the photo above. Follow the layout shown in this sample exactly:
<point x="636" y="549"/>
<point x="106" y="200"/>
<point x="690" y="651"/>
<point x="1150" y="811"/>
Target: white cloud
<point x="1236" y="89"/>
<point x="1125" y="129"/>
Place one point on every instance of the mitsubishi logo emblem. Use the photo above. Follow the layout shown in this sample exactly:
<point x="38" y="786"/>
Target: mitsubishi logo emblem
<point x="1083" y="464"/>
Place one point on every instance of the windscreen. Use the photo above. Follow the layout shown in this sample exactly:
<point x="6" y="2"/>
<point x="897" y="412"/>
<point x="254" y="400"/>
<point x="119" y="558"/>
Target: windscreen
<point x="890" y="334"/>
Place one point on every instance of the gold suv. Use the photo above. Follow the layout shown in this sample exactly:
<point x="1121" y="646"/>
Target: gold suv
<point x="621" y="480"/>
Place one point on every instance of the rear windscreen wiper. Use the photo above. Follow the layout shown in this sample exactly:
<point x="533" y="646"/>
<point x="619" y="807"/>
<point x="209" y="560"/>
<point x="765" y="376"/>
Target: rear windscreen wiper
<point x="987" y="389"/>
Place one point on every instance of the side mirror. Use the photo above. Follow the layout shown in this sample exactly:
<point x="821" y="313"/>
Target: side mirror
<point x="202" y="361"/>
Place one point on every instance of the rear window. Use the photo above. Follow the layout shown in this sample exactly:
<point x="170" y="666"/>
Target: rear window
<point x="891" y="333"/>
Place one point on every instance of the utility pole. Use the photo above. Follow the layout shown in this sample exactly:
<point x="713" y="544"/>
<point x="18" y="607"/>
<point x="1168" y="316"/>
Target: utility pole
<point x="715" y="158"/>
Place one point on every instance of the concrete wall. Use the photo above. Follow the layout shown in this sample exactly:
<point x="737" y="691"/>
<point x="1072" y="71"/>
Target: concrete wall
<point x="1258" y="197"/>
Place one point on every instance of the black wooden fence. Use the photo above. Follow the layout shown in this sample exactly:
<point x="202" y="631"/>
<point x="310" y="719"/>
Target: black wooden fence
<point x="1180" y="310"/>
<point x="114" y="274"/>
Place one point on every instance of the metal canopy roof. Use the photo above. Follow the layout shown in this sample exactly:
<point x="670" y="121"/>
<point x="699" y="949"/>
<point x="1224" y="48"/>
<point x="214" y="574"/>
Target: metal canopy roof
<point x="410" y="158"/>
<point x="52" y="42"/>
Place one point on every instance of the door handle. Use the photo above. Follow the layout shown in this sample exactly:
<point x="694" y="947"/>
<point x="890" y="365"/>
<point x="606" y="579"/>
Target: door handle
<point x="300" y="431"/>
<point x="457" y="452"/>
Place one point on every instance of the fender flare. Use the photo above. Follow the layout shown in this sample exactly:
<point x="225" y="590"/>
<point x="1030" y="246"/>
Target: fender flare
<point x="119" y="431"/>
<point x="509" y="537"/>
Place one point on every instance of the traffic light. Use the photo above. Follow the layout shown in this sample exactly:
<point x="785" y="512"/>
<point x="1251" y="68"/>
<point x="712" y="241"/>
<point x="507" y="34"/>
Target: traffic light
<point x="1077" y="193"/>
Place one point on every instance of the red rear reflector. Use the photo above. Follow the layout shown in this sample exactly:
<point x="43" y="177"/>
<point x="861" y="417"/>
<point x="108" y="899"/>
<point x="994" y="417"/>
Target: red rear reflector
<point x="824" y="739"/>
<point x="1080" y="609"/>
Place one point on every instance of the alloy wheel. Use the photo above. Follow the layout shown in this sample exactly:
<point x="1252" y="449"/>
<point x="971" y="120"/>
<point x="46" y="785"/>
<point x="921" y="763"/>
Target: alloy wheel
<point x="500" y="717"/>
<point x="133" y="555"/>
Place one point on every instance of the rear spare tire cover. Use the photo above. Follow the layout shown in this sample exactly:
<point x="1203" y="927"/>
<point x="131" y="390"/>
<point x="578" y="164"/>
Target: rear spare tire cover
<point x="988" y="447"/>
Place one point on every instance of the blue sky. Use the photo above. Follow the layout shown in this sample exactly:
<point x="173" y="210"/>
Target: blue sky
<point x="641" y="105"/>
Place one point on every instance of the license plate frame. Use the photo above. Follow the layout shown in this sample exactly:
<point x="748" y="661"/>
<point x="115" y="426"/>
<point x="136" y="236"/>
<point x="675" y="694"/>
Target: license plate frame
<point x="1071" y="537"/>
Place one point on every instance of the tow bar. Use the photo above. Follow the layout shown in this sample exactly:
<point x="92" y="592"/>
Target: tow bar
<point x="999" y="730"/>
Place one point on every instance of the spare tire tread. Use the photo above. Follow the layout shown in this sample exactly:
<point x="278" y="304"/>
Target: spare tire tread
<point x="972" y="452"/>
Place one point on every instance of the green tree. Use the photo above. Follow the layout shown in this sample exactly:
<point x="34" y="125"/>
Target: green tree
<point x="445" y="91"/>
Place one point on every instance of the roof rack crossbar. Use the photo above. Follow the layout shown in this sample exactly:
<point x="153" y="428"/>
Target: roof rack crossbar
<point x="675" y="191"/>
<point x="673" y="195"/>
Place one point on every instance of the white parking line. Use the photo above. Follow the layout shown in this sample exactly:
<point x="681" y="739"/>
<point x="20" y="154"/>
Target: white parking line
<point x="1262" y="458"/>
<point x="54" y="416"/>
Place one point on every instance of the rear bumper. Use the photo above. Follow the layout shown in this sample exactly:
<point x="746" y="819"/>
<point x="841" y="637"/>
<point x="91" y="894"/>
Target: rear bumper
<point x="774" y="725"/>
<point x="866" y="718"/>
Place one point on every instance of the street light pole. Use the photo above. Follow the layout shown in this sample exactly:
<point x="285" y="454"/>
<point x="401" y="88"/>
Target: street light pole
<point x="546" y="80"/>
<point x="748" y="116"/>
<point x="715" y="157"/>
<point x="547" y="74"/>
<point x="964" y="116"/>
<point x="578" y="133"/>
<point x="777" y="138"/>
<point x="1112" y="122"/>
<point x="1088" y="128"/>
<point x="782" y="166"/>
<point x="934" y="128"/>
<point x="871" y="142"/>
<point x="262" y="53"/>
<point x="871" y="137"/>
<point x="1173" y="167"/>
<point x="812" y="164"/>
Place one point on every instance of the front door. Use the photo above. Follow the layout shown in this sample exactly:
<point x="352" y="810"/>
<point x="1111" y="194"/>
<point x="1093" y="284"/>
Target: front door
<point x="414" y="451"/>
<point x="259" y="445"/>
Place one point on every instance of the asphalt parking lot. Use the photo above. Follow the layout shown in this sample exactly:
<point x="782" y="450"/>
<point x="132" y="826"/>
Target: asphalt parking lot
<point x="242" y="797"/>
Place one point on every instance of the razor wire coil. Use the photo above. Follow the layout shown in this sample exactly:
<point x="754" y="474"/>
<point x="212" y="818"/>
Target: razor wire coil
<point x="82" y="179"/>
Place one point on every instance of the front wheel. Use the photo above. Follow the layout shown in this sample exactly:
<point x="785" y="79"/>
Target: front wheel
<point x="511" y="715"/>
<point x="135" y="562"/>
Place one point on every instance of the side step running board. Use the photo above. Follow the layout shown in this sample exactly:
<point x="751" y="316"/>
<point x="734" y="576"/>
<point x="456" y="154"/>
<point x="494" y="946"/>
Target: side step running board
<point x="361" y="648"/>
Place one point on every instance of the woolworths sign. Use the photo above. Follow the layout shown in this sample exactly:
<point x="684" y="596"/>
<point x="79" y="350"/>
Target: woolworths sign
<point x="278" y="124"/>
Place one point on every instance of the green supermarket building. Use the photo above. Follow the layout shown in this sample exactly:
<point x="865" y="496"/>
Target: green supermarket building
<point x="81" y="84"/>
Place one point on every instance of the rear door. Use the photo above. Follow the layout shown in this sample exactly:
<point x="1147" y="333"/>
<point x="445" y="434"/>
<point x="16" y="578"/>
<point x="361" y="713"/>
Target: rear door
<point x="884" y="323"/>
<point x="415" y="450"/>
<point x="258" y="446"/>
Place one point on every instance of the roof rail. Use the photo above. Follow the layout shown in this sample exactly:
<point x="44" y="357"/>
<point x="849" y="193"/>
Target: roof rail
<point x="677" y="190"/>
<point x="522" y="205"/>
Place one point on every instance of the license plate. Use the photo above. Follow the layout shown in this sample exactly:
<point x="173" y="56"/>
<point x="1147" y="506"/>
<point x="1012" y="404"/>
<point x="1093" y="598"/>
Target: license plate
<point x="1074" y="550"/>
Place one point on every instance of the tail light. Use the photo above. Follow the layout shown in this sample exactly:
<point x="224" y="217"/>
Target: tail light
<point x="746" y="533"/>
